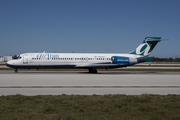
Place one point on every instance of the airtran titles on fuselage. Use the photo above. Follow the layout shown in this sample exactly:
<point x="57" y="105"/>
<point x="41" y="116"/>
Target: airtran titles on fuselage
<point x="47" y="56"/>
<point x="122" y="59"/>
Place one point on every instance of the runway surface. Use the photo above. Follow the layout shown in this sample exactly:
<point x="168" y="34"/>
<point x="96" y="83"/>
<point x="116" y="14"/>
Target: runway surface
<point x="83" y="83"/>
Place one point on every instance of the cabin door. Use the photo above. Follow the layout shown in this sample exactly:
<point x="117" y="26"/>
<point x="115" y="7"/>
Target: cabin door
<point x="25" y="59"/>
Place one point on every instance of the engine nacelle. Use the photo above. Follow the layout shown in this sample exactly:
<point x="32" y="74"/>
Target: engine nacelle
<point x="123" y="60"/>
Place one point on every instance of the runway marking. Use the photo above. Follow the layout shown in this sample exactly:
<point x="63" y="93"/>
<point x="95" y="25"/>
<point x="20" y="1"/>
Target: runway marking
<point x="89" y="86"/>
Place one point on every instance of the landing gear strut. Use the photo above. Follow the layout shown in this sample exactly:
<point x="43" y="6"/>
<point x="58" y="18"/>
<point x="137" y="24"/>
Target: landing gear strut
<point x="15" y="70"/>
<point x="92" y="70"/>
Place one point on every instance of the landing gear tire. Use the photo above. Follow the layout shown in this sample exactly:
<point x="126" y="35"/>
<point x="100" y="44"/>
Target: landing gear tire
<point x="15" y="70"/>
<point x="92" y="70"/>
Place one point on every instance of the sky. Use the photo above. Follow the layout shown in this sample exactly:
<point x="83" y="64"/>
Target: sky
<point x="88" y="26"/>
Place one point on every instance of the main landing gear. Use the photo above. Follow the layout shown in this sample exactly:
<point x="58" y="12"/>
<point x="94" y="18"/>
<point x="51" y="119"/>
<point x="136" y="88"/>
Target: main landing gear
<point x="15" y="70"/>
<point x="92" y="70"/>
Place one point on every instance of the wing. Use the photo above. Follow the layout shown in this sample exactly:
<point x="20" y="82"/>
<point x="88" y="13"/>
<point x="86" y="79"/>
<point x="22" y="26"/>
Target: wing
<point x="97" y="66"/>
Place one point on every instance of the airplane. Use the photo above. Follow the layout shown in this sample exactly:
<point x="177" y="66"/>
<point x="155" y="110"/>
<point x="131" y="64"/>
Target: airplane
<point x="90" y="61"/>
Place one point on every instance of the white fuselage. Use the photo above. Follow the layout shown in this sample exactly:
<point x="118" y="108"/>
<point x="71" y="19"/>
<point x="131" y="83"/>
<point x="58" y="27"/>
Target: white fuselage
<point x="69" y="60"/>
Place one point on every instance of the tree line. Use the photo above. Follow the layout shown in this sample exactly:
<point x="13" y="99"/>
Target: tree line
<point x="156" y="59"/>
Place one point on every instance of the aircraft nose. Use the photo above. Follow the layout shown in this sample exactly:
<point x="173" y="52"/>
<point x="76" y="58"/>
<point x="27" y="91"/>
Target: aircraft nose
<point x="9" y="63"/>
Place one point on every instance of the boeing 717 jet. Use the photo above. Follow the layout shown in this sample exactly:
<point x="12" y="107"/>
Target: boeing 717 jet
<point x="90" y="61"/>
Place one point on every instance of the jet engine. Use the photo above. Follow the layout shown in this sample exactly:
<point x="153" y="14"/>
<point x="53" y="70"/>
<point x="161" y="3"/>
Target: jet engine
<point x="125" y="61"/>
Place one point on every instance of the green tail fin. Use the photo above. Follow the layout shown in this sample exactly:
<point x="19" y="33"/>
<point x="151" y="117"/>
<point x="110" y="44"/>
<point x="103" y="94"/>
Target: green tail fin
<point x="147" y="46"/>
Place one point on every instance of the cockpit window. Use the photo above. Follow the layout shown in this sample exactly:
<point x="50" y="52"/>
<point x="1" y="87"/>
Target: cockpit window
<point x="19" y="57"/>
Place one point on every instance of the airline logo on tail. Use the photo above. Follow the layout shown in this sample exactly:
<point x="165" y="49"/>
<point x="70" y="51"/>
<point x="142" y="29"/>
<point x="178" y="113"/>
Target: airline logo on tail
<point x="143" y="49"/>
<point x="147" y="46"/>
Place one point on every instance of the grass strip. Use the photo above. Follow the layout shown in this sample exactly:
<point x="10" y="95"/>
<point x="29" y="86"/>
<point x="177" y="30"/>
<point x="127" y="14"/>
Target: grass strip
<point x="95" y="107"/>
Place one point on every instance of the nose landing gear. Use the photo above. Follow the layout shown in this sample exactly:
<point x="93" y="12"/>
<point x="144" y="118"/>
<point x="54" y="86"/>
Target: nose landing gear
<point x="15" y="70"/>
